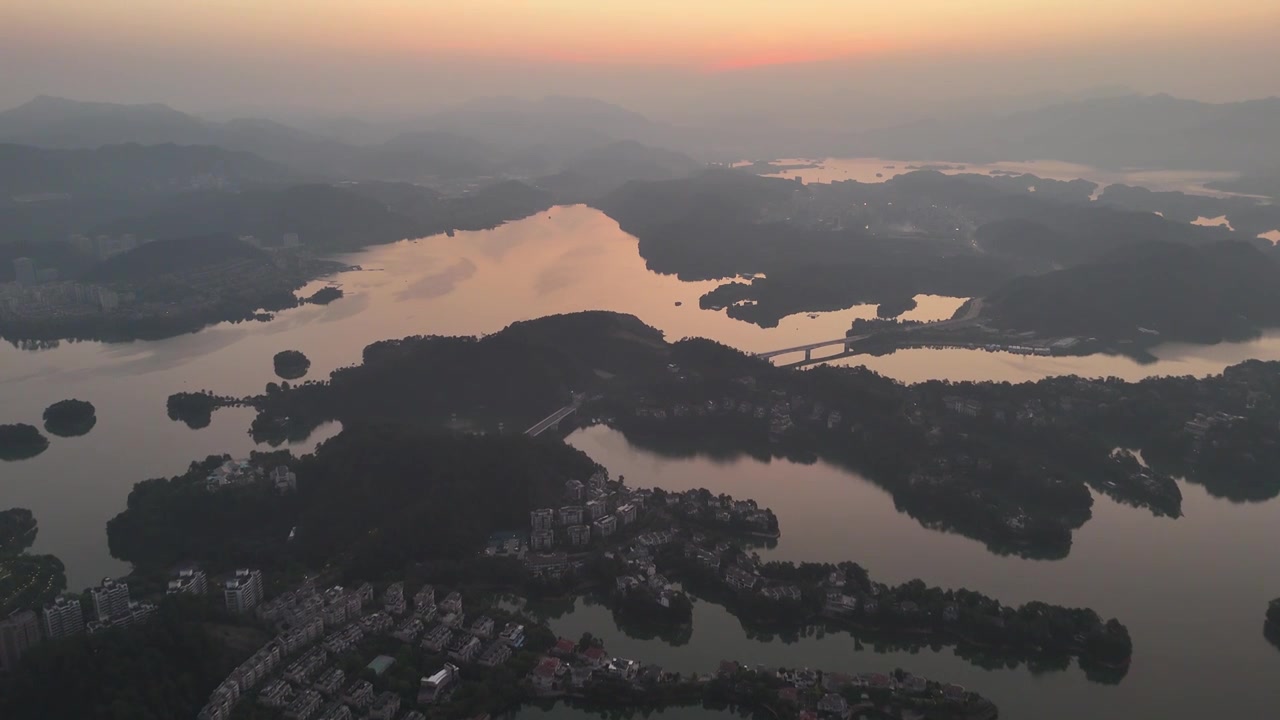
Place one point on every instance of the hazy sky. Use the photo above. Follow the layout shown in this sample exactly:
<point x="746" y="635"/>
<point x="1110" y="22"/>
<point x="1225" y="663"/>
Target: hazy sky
<point x="658" y="55"/>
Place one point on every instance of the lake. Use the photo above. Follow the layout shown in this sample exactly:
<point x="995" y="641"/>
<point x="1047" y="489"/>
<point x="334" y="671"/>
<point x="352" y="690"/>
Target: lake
<point x="1192" y="594"/>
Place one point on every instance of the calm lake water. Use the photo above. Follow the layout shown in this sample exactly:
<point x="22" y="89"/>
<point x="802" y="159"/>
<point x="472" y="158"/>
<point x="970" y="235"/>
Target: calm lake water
<point x="1192" y="590"/>
<point x="869" y="170"/>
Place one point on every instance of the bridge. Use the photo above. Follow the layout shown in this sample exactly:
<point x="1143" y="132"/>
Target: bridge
<point x="552" y="420"/>
<point x="969" y="317"/>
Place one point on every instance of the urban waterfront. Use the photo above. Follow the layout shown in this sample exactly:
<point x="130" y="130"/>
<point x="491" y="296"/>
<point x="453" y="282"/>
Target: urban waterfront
<point x="1191" y="593"/>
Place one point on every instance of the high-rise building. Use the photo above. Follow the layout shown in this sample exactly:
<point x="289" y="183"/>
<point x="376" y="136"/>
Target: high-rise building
<point x="244" y="591"/>
<point x="18" y="633"/>
<point x="542" y="519"/>
<point x="189" y="580"/>
<point x="542" y="539"/>
<point x="579" y="535"/>
<point x="289" y="240"/>
<point x="595" y="509"/>
<point x="63" y="617"/>
<point x="24" y="271"/>
<point x="110" y="599"/>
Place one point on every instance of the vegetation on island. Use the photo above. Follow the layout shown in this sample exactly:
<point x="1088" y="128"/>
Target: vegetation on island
<point x="325" y="295"/>
<point x="290" y="364"/>
<point x="1271" y="628"/>
<point x="21" y="441"/>
<point x="193" y="408"/>
<point x="70" y="418"/>
<point x="373" y="498"/>
<point x="894" y="308"/>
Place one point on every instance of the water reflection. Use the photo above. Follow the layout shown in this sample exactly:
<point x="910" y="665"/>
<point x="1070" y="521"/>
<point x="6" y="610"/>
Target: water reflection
<point x="1188" y="591"/>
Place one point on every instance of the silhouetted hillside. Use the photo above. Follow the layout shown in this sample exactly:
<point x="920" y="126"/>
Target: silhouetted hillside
<point x="132" y="169"/>
<point x="1226" y="290"/>
<point x="1117" y="132"/>
<point x="602" y="170"/>
<point x="178" y="255"/>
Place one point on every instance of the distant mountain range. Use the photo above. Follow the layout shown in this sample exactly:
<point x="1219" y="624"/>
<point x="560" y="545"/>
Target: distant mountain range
<point x="1146" y="131"/>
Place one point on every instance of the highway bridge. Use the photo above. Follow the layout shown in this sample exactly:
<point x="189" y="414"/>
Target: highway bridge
<point x="552" y="420"/>
<point x="969" y="317"/>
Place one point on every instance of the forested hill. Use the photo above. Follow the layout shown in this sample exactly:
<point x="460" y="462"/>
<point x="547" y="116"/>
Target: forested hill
<point x="375" y="498"/>
<point x="179" y="255"/>
<point x="1226" y="290"/>
<point x="516" y="376"/>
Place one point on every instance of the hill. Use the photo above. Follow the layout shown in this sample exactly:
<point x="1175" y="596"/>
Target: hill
<point x="325" y="217"/>
<point x="1155" y="131"/>
<point x="131" y="169"/>
<point x="1223" y="291"/>
<point x="514" y="377"/>
<point x="174" y="257"/>
<point x="600" y="171"/>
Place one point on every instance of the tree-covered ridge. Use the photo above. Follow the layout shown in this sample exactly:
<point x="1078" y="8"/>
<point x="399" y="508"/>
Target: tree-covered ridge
<point x="1173" y="292"/>
<point x="516" y="376"/>
<point x="26" y="581"/>
<point x="374" y="498"/>
<point x="18" y="529"/>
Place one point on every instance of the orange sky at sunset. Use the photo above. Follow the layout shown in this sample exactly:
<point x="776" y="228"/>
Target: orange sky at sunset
<point x="702" y="34"/>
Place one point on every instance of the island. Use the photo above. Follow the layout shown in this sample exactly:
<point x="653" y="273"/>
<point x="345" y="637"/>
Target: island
<point x="195" y="408"/>
<point x="20" y="441"/>
<point x="70" y="418"/>
<point x="894" y="308"/>
<point x="1271" y="628"/>
<point x="325" y="295"/>
<point x="291" y="364"/>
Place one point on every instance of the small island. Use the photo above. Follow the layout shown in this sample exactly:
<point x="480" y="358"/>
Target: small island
<point x="291" y="364"/>
<point x="21" y="442"/>
<point x="1271" y="628"/>
<point x="894" y="308"/>
<point x="195" y="409"/>
<point x="324" y="296"/>
<point x="70" y="418"/>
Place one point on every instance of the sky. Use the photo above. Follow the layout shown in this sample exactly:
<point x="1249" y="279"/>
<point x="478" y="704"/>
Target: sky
<point x="664" y="56"/>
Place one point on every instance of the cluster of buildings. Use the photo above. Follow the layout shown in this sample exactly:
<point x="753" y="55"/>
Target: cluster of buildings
<point x="102" y="247"/>
<point x="238" y="473"/>
<point x="781" y="411"/>
<point x="65" y="616"/>
<point x="840" y="696"/>
<point x="567" y="667"/>
<point x="45" y="297"/>
<point x="596" y="510"/>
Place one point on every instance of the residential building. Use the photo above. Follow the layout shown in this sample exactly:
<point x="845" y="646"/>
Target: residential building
<point x="304" y="668"/>
<point x="544" y="674"/>
<point x="548" y="564"/>
<point x="542" y="539"/>
<point x="409" y="630"/>
<point x="18" y="633"/>
<point x="578" y="535"/>
<point x="496" y="654"/>
<point x="572" y="514"/>
<point x="243" y="592"/>
<point x="283" y="479"/>
<point x="573" y="490"/>
<point x="304" y="706"/>
<point x="425" y="598"/>
<point x="833" y="706"/>
<point x="606" y="526"/>
<point x="385" y="706"/>
<point x="393" y="599"/>
<point x="24" y="271"/>
<point x="110" y="599"/>
<point x="513" y="635"/>
<point x="740" y="579"/>
<point x="413" y="715"/>
<point x="335" y="711"/>
<point x="437" y="685"/>
<point x="542" y="519"/>
<point x="276" y="694"/>
<point x="465" y="648"/>
<point x="626" y="514"/>
<point x="452" y="603"/>
<point x="190" y="581"/>
<point x="437" y="639"/>
<point x="63" y="617"/>
<point x="330" y="683"/>
<point x="482" y="627"/>
<point x="359" y="694"/>
<point x="595" y="509"/>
